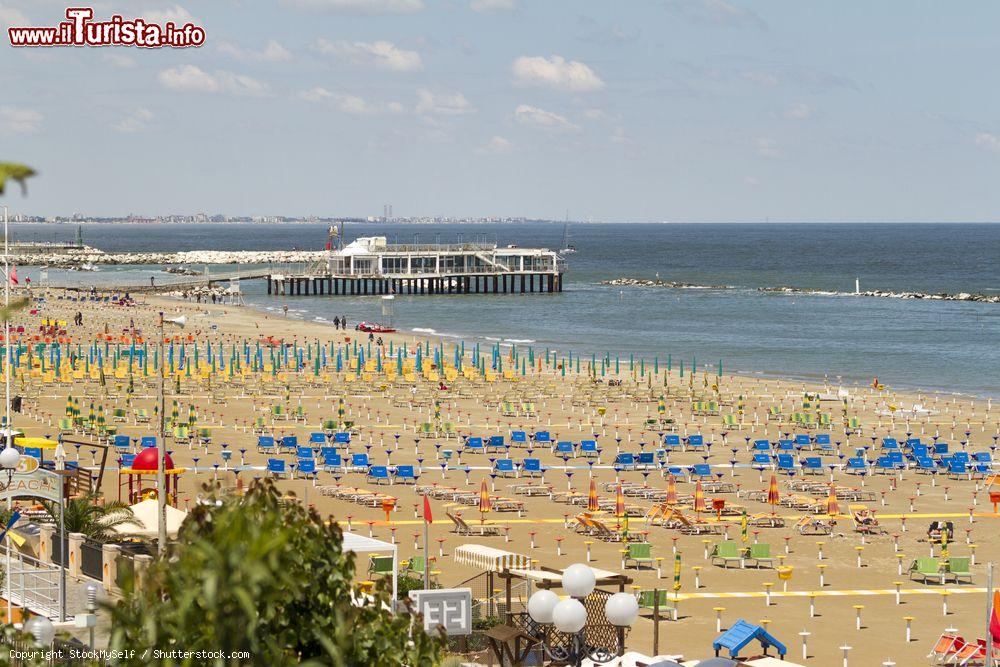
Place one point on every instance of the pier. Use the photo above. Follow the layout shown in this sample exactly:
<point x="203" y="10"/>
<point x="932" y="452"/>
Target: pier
<point x="371" y="266"/>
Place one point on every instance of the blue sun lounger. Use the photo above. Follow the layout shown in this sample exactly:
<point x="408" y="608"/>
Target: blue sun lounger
<point x="276" y="468"/>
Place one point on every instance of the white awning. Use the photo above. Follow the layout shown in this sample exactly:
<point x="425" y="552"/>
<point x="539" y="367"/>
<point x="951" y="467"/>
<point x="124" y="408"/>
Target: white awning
<point x="545" y="575"/>
<point x="147" y="514"/>
<point x="362" y="544"/>
<point x="490" y="559"/>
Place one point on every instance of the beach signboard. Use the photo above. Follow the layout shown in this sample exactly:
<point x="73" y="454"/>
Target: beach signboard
<point x="449" y="608"/>
<point x="31" y="481"/>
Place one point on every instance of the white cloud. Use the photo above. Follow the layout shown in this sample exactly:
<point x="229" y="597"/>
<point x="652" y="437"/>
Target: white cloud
<point x="594" y="114"/>
<point x="174" y="13"/>
<point x="360" y="6"/>
<point x="620" y="136"/>
<point x="442" y="104"/>
<point x="555" y="72"/>
<point x="798" y="111"/>
<point x="138" y="120"/>
<point x="191" y="78"/>
<point x="21" y="121"/>
<point x="766" y="79"/>
<point x="714" y="13"/>
<point x="496" y="146"/>
<point x="543" y="120"/>
<point x="353" y="104"/>
<point x="13" y="17"/>
<point x="381" y="54"/>
<point x="316" y="94"/>
<point x="766" y="147"/>
<point x="987" y="141"/>
<point x="119" y="60"/>
<point x="272" y="52"/>
<point x="493" y="5"/>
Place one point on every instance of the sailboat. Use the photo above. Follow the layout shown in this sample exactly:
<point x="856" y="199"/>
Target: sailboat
<point x="567" y="247"/>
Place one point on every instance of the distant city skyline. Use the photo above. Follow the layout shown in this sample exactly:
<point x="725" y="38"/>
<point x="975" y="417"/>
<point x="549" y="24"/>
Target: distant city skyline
<point x="678" y="111"/>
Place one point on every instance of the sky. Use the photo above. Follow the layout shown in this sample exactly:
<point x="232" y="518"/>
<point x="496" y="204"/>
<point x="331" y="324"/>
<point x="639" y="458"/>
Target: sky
<point x="674" y="110"/>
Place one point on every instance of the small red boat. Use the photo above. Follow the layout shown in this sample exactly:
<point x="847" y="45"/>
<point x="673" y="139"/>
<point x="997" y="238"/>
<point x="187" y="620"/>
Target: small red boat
<point x="368" y="327"/>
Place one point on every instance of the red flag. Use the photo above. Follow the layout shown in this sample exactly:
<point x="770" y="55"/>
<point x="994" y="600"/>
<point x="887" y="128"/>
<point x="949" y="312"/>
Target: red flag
<point x="13" y="275"/>
<point x="427" y="511"/>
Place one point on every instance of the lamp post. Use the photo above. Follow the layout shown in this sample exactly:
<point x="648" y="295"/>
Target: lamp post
<point x="569" y="616"/>
<point x="9" y="460"/>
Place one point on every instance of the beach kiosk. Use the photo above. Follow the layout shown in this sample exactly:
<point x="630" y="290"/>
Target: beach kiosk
<point x="140" y="477"/>
<point x="742" y="633"/>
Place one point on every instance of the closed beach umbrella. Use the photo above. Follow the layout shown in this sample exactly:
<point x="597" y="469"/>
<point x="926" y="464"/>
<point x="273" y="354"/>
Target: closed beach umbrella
<point x="192" y="416"/>
<point x="672" y="490"/>
<point x="677" y="572"/>
<point x="69" y="405"/>
<point x="484" y="501"/>
<point x="592" y="502"/>
<point x="772" y="493"/>
<point x="744" y="526"/>
<point x="619" y="502"/>
<point x="699" y="497"/>
<point x="661" y="406"/>
<point x="340" y="410"/>
<point x="832" y="506"/>
<point x="175" y="410"/>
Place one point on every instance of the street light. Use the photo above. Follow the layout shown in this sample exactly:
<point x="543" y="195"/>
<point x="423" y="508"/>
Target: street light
<point x="161" y="460"/>
<point x="569" y="616"/>
<point x="42" y="630"/>
<point x="9" y="458"/>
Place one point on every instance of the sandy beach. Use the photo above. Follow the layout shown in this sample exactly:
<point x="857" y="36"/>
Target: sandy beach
<point x="631" y="412"/>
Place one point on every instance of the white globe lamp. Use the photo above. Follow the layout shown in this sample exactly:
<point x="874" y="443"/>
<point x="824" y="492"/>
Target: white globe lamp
<point x="578" y="580"/>
<point x="621" y="609"/>
<point x="9" y="458"/>
<point x="41" y="629"/>
<point x="540" y="606"/>
<point x="569" y="616"/>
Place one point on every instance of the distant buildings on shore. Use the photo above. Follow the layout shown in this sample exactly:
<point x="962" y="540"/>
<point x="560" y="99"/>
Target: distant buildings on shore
<point x="199" y="218"/>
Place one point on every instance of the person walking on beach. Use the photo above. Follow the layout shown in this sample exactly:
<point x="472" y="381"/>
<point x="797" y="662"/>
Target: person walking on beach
<point x="343" y="323"/>
<point x="336" y="322"/>
<point x="284" y="309"/>
<point x="152" y="281"/>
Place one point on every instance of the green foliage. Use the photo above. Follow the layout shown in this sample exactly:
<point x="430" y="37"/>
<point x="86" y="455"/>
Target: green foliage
<point x="268" y="578"/>
<point x="97" y="520"/>
<point x="405" y="584"/>
<point x="11" y="637"/>
<point x="19" y="173"/>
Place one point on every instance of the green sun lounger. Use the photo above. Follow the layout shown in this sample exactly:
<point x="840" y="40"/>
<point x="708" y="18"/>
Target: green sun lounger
<point x="926" y="568"/>
<point x="725" y="553"/>
<point x="639" y="555"/>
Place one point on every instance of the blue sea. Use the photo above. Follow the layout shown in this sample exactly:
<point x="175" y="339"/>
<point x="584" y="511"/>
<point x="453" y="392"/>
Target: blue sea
<point x="915" y="344"/>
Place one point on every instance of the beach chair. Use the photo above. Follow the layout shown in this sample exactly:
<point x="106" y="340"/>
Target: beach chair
<point x="504" y="468"/>
<point x="518" y="439"/>
<point x="142" y="416"/>
<point x="786" y="463"/>
<point x="278" y="412"/>
<point x="507" y="409"/>
<point x="306" y="466"/>
<point x="856" y="466"/>
<point x="378" y="475"/>
<point x="380" y="566"/>
<point x="926" y="568"/>
<point x="147" y="441"/>
<point x="317" y="439"/>
<point x="696" y="442"/>
<point x="448" y="431"/>
<point x="122" y="443"/>
<point x="812" y="465"/>
<point x="787" y="446"/>
<point x="405" y="475"/>
<point x="725" y="553"/>
<point x="957" y="568"/>
<point x="304" y="452"/>
<point x="342" y="438"/>
<point x="542" y="437"/>
<point x="926" y="465"/>
<point x="970" y="653"/>
<point x="565" y="448"/>
<point x="645" y="461"/>
<point x="496" y="444"/>
<point x="729" y="421"/>
<point x="761" y="461"/>
<point x="672" y="441"/>
<point x="774" y="413"/>
<point x="265" y="443"/>
<point x="259" y="426"/>
<point x="946" y="646"/>
<point x="638" y="555"/>
<point x="332" y="462"/>
<point x="822" y="441"/>
<point x="760" y="554"/>
<point x="289" y="443"/>
<point x="701" y="470"/>
<point x="480" y="530"/>
<point x="890" y="444"/>
<point x="588" y="449"/>
<point x="126" y="460"/>
<point x="359" y="462"/>
<point x="528" y="409"/>
<point x="957" y="467"/>
<point x="474" y="445"/>
<point x="276" y="468"/>
<point x="657" y="599"/>
<point x="865" y="522"/>
<point x="624" y="461"/>
<point x="329" y="426"/>
<point x="802" y="441"/>
<point x="532" y="468"/>
<point x="762" y="446"/>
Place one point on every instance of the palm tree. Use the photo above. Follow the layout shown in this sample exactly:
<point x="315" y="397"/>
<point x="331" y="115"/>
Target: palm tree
<point x="97" y="520"/>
